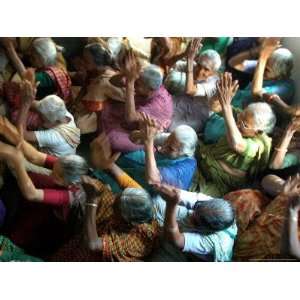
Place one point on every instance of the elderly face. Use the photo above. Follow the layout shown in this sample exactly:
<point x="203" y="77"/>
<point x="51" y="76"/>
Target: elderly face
<point x="171" y="147"/>
<point x="140" y="89"/>
<point x="204" y="68"/>
<point x="269" y="73"/>
<point x="35" y="59"/>
<point x="246" y="124"/>
<point x="88" y="61"/>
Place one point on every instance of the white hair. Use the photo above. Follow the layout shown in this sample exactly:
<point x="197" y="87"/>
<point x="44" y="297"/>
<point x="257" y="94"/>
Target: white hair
<point x="188" y="138"/>
<point x="46" y="48"/>
<point x="282" y="62"/>
<point x="73" y="166"/>
<point x="264" y="117"/>
<point x="213" y="56"/>
<point x="136" y="206"/>
<point x="52" y="108"/>
<point x="152" y="77"/>
<point x="175" y="82"/>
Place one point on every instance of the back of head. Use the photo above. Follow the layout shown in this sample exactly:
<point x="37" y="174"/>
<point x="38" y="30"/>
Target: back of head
<point x="282" y="62"/>
<point x="188" y="138"/>
<point x="152" y="77"/>
<point x="101" y="56"/>
<point x="73" y="166"/>
<point x="175" y="82"/>
<point x="52" y="108"/>
<point x="264" y="116"/>
<point x="215" y="214"/>
<point x="136" y="206"/>
<point x="46" y="48"/>
<point x="213" y="56"/>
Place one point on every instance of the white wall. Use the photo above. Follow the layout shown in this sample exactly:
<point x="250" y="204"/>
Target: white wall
<point x="293" y="44"/>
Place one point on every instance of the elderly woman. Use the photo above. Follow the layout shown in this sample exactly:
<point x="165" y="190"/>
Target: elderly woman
<point x="118" y="227"/>
<point x="52" y="79"/>
<point x="272" y="76"/>
<point x="243" y="154"/>
<point x="59" y="136"/>
<point x="100" y="67"/>
<point x="144" y="94"/>
<point x="173" y="163"/>
<point x="196" y="227"/>
<point x="192" y="108"/>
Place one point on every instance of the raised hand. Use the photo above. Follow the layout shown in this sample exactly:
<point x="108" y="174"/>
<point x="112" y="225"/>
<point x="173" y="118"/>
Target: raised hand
<point x="295" y="124"/>
<point x="101" y="153"/>
<point x="91" y="189"/>
<point x="193" y="48"/>
<point x="149" y="128"/>
<point x="227" y="88"/>
<point x="269" y="45"/>
<point x="28" y="92"/>
<point x="169" y="193"/>
<point x="291" y="188"/>
<point x="129" y="64"/>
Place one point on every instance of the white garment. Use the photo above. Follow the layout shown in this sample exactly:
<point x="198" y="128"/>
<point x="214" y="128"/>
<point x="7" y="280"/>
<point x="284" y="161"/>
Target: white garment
<point x="53" y="143"/>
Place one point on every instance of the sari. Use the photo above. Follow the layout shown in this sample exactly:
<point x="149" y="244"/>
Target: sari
<point x="177" y="172"/>
<point x="215" y="125"/>
<point x="213" y="180"/>
<point x="10" y="252"/>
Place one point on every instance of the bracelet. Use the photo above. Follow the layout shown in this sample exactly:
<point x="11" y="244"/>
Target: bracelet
<point x="91" y="204"/>
<point x="280" y="150"/>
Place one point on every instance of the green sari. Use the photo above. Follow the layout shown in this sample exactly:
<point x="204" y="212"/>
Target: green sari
<point x="10" y="252"/>
<point x="211" y="178"/>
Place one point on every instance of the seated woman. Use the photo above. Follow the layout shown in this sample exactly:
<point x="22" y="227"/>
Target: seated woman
<point x="91" y="100"/>
<point x="196" y="227"/>
<point x="52" y="79"/>
<point x="243" y="154"/>
<point x="117" y="227"/>
<point x="265" y="238"/>
<point x="192" y="108"/>
<point x="272" y="76"/>
<point x="173" y="163"/>
<point x="59" y="136"/>
<point x="144" y="94"/>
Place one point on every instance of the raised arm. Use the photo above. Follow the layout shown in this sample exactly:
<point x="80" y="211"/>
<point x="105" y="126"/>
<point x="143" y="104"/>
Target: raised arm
<point x="171" y="230"/>
<point x="130" y="68"/>
<point x="290" y="242"/>
<point x="226" y="90"/>
<point x="237" y="61"/>
<point x="13" y="56"/>
<point x="281" y="149"/>
<point x="269" y="45"/>
<point x="14" y="158"/>
<point x="193" y="49"/>
<point x="10" y="132"/>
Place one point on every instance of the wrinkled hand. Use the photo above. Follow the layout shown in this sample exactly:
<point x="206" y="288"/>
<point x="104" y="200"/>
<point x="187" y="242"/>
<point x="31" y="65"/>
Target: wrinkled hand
<point x="28" y="92"/>
<point x="91" y="189"/>
<point x="129" y="65"/>
<point x="169" y="193"/>
<point x="101" y="153"/>
<point x="137" y="137"/>
<point x="294" y="125"/>
<point x="269" y="45"/>
<point x="270" y="98"/>
<point x="193" y="48"/>
<point x="291" y="187"/>
<point x="226" y="89"/>
<point x="149" y="128"/>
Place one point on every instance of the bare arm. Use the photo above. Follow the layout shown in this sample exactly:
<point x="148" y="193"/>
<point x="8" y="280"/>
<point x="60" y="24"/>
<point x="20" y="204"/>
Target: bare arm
<point x="237" y="61"/>
<point x="131" y="115"/>
<point x="282" y="148"/>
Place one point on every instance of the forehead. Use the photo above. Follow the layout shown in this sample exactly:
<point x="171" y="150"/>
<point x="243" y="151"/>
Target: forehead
<point x="247" y="116"/>
<point x="206" y="62"/>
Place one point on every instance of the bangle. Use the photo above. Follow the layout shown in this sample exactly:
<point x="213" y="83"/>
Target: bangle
<point x="281" y="150"/>
<point x="91" y="204"/>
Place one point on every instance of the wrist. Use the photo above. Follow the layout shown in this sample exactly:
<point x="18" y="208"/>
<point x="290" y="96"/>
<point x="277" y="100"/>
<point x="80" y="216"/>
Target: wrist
<point x="149" y="142"/>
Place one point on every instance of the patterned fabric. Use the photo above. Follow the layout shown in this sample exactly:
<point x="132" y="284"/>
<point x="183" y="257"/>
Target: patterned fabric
<point x="62" y="80"/>
<point x="248" y="206"/>
<point x="121" y="241"/>
<point x="262" y="240"/>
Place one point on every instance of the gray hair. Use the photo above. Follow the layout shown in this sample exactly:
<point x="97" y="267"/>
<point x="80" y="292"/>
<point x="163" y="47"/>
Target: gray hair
<point x="188" y="138"/>
<point x="175" y="82"/>
<point x="152" y="77"/>
<point x="136" y="206"/>
<point x="282" y="62"/>
<point x="73" y="166"/>
<point x="46" y="48"/>
<point x="213" y="56"/>
<point x="216" y="214"/>
<point x="101" y="56"/>
<point x="264" y="116"/>
<point x="52" y="108"/>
